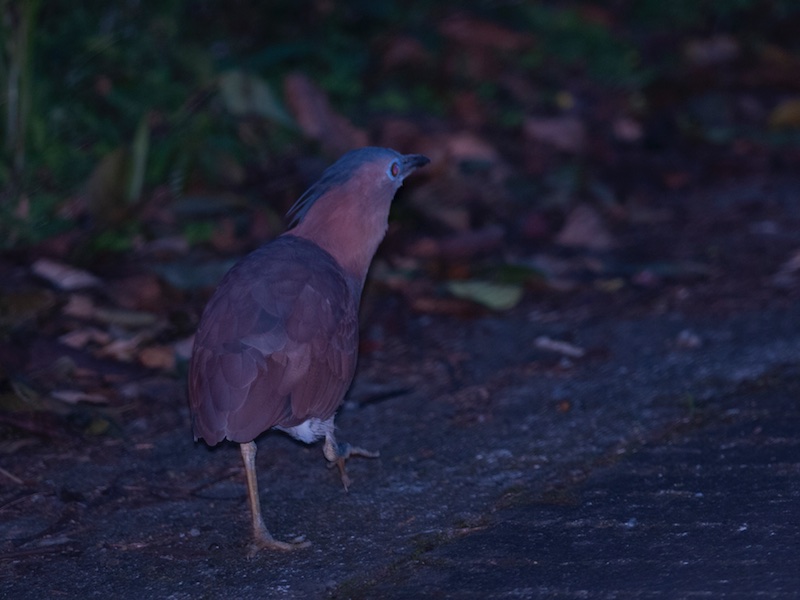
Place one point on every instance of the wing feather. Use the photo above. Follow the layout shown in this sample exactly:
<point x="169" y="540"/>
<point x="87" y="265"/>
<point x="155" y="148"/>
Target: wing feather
<point x="276" y="345"/>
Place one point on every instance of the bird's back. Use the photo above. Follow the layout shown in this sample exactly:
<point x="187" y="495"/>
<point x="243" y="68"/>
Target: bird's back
<point x="276" y="344"/>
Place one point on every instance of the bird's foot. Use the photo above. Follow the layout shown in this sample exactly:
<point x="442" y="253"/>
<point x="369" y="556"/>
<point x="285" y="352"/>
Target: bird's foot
<point x="337" y="454"/>
<point x="263" y="540"/>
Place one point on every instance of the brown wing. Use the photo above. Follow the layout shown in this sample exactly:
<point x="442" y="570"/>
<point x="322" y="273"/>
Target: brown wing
<point x="276" y="345"/>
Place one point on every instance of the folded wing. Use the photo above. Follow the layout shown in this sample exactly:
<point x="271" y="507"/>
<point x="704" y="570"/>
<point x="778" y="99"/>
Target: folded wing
<point x="276" y="345"/>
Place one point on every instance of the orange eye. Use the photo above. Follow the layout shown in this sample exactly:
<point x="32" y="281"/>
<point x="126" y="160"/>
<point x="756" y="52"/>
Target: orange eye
<point x="395" y="169"/>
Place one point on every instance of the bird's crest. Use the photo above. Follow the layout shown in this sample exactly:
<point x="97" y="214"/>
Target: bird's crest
<point x="338" y="173"/>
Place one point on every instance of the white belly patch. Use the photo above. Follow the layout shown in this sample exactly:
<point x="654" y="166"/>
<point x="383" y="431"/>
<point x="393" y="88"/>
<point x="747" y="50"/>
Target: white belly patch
<point x="310" y="431"/>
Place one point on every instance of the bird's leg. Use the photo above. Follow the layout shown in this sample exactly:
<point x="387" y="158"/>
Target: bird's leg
<point x="338" y="453"/>
<point x="261" y="536"/>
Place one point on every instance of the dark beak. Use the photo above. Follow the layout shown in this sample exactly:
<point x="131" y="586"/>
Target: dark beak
<point x="409" y="162"/>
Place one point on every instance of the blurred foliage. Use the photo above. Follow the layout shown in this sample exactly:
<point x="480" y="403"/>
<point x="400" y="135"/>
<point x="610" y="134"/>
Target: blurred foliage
<point x="567" y="39"/>
<point x="712" y="14"/>
<point x="142" y="78"/>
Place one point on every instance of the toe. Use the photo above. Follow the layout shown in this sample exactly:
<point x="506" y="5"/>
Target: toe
<point x="270" y="543"/>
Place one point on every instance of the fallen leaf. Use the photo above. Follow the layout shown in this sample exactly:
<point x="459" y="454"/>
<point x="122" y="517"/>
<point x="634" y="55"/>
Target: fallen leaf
<point x="713" y="51"/>
<point x="137" y="292"/>
<point x="131" y="319"/>
<point x="610" y="286"/>
<point x="453" y="217"/>
<point x="461" y="245"/>
<point x="79" y="306"/>
<point x="465" y="146"/>
<point x="559" y="346"/>
<point x="495" y="296"/>
<point x="168" y="245"/>
<point x="75" y="396"/>
<point x="446" y="306"/>
<point x="655" y="273"/>
<point x="789" y="272"/>
<point x="185" y="275"/>
<point x="83" y="307"/>
<point x="63" y="276"/>
<point x="627" y="129"/>
<point x="18" y="305"/>
<point x="584" y="228"/>
<point x="404" y="51"/>
<point x="786" y="115"/>
<point x="158" y="357"/>
<point x="80" y="338"/>
<point x="469" y="31"/>
<point x="123" y="349"/>
<point x="98" y="426"/>
<point x="317" y="118"/>
<point x="566" y="134"/>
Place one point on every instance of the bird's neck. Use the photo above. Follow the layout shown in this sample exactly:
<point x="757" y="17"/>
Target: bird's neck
<point x="347" y="232"/>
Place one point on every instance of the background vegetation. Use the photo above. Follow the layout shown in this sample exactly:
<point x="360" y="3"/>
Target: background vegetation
<point x="121" y="98"/>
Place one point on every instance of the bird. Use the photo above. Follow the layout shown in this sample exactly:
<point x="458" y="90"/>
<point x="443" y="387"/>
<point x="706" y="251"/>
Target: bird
<point x="277" y="344"/>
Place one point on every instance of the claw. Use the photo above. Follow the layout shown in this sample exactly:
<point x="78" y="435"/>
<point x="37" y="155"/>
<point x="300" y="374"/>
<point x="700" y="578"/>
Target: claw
<point x="337" y="454"/>
<point x="262" y="540"/>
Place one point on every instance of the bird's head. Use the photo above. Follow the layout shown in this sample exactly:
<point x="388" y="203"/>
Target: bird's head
<point x="378" y="172"/>
<point x="346" y="212"/>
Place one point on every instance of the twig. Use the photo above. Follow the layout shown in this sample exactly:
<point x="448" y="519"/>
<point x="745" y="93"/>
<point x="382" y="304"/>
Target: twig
<point x="13" y="478"/>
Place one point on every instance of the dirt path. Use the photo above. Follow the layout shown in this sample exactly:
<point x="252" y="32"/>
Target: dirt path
<point x="518" y="483"/>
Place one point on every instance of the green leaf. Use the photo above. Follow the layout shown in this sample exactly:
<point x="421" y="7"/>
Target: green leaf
<point x="496" y="296"/>
<point x="248" y="95"/>
<point x="106" y="187"/>
<point x="139" y="150"/>
<point x="187" y="276"/>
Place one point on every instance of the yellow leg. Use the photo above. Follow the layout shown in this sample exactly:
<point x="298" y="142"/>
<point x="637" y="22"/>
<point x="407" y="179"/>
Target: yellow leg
<point x="262" y="539"/>
<point x="337" y="454"/>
